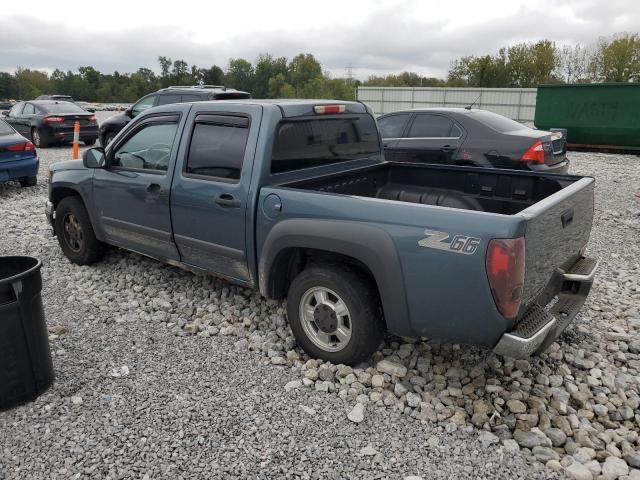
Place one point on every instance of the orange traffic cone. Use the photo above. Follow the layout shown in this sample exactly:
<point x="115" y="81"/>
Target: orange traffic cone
<point x="76" y="140"/>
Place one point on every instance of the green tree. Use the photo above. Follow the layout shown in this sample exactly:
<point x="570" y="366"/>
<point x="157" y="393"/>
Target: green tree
<point x="239" y="74"/>
<point x="267" y="67"/>
<point x="617" y="60"/>
<point x="303" y="68"/>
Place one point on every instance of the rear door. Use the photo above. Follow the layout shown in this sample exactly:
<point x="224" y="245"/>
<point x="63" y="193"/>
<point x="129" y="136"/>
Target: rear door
<point x="391" y="129"/>
<point x="131" y="195"/>
<point x="432" y="138"/>
<point x="210" y="192"/>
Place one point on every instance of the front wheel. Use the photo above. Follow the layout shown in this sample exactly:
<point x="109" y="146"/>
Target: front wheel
<point x="75" y="232"/>
<point x="334" y="314"/>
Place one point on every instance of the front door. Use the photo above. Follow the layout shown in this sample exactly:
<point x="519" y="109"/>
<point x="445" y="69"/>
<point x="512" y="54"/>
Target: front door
<point x="429" y="140"/>
<point x="131" y="194"/>
<point x="210" y="193"/>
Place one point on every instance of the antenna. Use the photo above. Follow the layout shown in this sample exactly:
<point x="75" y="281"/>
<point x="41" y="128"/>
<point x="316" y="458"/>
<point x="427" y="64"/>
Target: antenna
<point x="474" y="102"/>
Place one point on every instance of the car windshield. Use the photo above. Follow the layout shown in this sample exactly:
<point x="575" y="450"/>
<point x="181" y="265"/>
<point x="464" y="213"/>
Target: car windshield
<point x="5" y="129"/>
<point x="62" y="107"/>
<point x="310" y="143"/>
<point x="497" y="122"/>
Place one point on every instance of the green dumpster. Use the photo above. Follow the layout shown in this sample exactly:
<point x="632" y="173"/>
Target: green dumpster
<point x="597" y="115"/>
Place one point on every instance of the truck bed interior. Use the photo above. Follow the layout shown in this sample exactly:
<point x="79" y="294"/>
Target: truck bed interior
<point x="496" y="191"/>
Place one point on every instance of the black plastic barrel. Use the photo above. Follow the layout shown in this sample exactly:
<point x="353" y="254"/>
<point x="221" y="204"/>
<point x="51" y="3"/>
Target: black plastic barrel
<point x="26" y="369"/>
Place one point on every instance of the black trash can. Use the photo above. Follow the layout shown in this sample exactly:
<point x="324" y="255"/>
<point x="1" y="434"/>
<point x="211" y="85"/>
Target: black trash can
<point x="26" y="369"/>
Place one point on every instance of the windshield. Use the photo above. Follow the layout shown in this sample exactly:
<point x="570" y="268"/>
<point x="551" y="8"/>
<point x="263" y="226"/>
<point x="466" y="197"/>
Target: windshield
<point x="62" y="107"/>
<point x="497" y="122"/>
<point x="310" y="143"/>
<point x="5" y="129"/>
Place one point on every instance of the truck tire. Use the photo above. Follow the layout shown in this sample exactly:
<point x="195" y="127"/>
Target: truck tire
<point x="334" y="314"/>
<point x="75" y="232"/>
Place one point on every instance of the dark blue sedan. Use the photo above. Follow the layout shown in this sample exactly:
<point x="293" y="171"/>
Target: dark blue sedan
<point x="18" y="157"/>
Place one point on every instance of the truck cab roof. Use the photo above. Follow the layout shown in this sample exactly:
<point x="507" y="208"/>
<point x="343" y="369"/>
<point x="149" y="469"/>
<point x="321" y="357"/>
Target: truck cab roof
<point x="287" y="107"/>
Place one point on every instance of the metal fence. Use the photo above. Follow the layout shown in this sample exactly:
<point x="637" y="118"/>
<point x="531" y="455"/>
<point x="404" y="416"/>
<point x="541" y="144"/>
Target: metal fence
<point x="516" y="103"/>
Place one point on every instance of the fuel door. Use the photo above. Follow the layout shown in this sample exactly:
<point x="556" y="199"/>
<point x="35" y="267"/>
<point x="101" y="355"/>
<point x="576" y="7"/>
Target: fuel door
<point x="272" y="206"/>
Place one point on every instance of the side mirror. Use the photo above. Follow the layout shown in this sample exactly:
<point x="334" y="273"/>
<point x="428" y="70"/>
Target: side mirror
<point x="94" y="158"/>
<point x="128" y="112"/>
<point x="5" y="113"/>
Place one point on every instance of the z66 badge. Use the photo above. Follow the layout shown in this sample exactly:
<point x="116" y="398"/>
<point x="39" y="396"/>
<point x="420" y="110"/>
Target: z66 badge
<point x="462" y="244"/>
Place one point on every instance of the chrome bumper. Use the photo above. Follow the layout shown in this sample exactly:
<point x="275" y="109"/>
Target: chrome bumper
<point x="538" y="327"/>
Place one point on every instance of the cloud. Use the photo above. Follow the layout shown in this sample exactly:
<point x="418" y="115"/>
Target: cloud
<point x="391" y="38"/>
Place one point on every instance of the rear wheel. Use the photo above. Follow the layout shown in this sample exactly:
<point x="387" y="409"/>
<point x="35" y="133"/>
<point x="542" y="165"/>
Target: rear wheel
<point x="75" y="233"/>
<point x="334" y="314"/>
<point x="36" y="138"/>
<point x="29" y="181"/>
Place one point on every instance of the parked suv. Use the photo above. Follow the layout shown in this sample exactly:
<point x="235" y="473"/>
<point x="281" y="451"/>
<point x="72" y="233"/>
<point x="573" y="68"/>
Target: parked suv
<point x="176" y="94"/>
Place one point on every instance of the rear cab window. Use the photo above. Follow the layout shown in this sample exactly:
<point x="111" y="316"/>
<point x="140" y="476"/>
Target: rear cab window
<point x="311" y="141"/>
<point x="217" y="147"/>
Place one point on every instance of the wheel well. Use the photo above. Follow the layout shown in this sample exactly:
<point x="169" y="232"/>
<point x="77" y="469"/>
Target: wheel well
<point x="291" y="261"/>
<point x="62" y="192"/>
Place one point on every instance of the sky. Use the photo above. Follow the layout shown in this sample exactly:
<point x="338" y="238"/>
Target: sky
<point x="372" y="37"/>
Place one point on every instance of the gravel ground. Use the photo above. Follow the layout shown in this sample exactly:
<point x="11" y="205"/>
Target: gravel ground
<point x="164" y="374"/>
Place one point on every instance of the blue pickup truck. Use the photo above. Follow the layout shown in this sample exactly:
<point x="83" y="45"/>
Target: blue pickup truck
<point x="295" y="198"/>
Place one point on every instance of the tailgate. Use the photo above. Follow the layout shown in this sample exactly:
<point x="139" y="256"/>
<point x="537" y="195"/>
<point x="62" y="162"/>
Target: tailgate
<point x="557" y="230"/>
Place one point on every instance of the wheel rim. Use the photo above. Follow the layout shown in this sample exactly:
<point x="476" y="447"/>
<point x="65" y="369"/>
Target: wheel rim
<point x="36" y="138"/>
<point x="325" y="319"/>
<point x="73" y="234"/>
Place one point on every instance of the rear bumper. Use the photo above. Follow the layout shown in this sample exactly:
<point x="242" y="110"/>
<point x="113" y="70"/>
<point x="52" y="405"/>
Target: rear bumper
<point x="65" y="134"/>
<point x="560" y="167"/>
<point x="16" y="169"/>
<point x="541" y="325"/>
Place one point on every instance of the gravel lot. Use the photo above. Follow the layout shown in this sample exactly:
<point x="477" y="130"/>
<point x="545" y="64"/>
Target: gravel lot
<point x="164" y="374"/>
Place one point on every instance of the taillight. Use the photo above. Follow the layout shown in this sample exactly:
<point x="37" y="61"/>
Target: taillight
<point x="505" y="264"/>
<point x="22" y="147"/>
<point x="535" y="153"/>
<point x="328" y="109"/>
<point x="53" y="119"/>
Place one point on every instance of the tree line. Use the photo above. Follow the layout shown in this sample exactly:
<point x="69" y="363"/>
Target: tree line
<point x="613" y="59"/>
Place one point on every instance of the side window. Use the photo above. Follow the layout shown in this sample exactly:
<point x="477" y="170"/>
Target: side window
<point x="190" y="97"/>
<point x="143" y="104"/>
<point x="167" y="99"/>
<point x="29" y="109"/>
<point x="16" y="110"/>
<point x="148" y="148"/>
<point x="456" y="131"/>
<point x="430" y="126"/>
<point x="392" y="126"/>
<point x="217" y="148"/>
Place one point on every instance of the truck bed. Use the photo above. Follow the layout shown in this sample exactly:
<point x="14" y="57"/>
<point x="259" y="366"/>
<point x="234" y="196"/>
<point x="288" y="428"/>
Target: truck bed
<point x="495" y="191"/>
